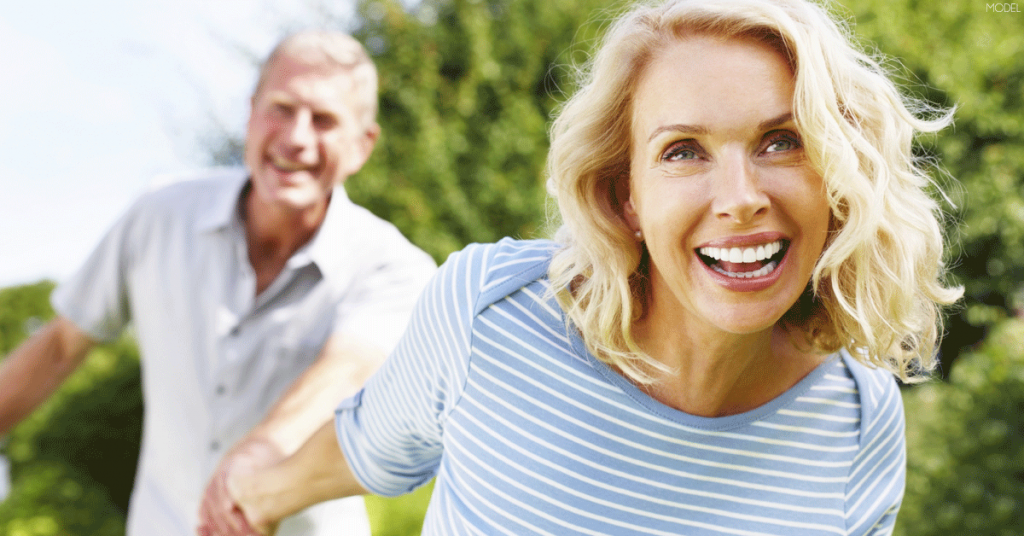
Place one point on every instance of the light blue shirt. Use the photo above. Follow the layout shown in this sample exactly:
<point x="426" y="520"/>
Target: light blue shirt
<point x="527" y="433"/>
<point x="216" y="357"/>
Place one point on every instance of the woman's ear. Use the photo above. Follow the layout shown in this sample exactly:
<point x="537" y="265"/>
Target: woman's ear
<point x="623" y="199"/>
<point x="630" y="215"/>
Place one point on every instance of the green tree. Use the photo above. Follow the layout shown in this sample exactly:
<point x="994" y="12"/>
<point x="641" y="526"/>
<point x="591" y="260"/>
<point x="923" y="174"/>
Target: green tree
<point x="73" y="460"/>
<point x="965" y="441"/>
<point x="467" y="92"/>
<point x="22" y="308"/>
<point x="963" y="53"/>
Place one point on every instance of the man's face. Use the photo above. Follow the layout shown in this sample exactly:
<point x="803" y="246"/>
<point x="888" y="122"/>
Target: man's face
<point x="305" y="133"/>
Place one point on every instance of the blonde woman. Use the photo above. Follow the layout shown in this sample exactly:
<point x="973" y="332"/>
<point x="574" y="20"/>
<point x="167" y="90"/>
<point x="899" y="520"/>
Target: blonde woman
<point x="747" y="259"/>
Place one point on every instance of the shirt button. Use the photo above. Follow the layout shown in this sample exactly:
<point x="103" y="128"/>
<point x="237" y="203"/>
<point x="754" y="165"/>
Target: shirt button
<point x="221" y="390"/>
<point x="214" y="446"/>
<point x="235" y="331"/>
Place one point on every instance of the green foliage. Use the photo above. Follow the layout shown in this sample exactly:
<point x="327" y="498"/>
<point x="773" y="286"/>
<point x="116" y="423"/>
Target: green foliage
<point x="467" y="91"/>
<point x="21" y="309"/>
<point x="961" y="53"/>
<point x="51" y="498"/>
<point x="398" y="516"/>
<point x="965" y="441"/>
<point x="73" y="460"/>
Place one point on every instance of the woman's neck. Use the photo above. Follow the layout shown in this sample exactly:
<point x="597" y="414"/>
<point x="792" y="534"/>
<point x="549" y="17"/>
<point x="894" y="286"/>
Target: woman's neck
<point x="714" y="375"/>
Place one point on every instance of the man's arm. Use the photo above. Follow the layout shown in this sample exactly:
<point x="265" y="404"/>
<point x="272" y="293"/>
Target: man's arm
<point x="345" y="363"/>
<point x="34" y="370"/>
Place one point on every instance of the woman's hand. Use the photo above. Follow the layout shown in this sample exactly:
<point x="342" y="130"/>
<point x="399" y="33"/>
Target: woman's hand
<point x="219" y="514"/>
<point x="243" y="489"/>
<point x="263" y="496"/>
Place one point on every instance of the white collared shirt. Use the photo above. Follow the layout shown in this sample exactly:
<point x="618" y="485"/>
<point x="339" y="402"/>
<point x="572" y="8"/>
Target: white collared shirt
<point x="5" y="478"/>
<point x="216" y="357"/>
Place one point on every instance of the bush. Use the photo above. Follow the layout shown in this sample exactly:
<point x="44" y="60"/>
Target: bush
<point x="73" y="460"/>
<point x="398" y="516"/>
<point x="51" y="498"/>
<point x="965" y="443"/>
<point x="963" y="53"/>
<point x="21" y="310"/>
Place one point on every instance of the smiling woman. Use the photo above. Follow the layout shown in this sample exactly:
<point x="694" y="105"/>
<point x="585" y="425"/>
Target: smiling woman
<point x="727" y="172"/>
<point x="747" y="257"/>
<point x="814" y="105"/>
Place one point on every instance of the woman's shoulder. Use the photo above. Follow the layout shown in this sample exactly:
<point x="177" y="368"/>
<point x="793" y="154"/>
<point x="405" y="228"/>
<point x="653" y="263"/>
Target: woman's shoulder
<point x="881" y="405"/>
<point x="500" y="268"/>
<point x="871" y="381"/>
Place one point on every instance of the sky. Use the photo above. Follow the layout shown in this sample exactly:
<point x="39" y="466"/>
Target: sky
<point x="100" y="99"/>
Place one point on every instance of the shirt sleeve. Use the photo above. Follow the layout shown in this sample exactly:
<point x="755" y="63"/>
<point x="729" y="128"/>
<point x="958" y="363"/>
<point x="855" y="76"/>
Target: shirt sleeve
<point x="378" y="307"/>
<point x="95" y="298"/>
<point x="878" y="476"/>
<point x="391" y="431"/>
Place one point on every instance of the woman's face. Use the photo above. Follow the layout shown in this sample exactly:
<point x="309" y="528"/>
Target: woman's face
<point x="733" y="215"/>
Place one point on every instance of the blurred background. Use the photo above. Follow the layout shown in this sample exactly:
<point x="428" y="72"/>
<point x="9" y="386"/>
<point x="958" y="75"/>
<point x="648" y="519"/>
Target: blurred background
<point x="104" y="98"/>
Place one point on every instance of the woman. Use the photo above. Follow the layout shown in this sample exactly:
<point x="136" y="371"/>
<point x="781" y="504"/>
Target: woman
<point x="747" y="258"/>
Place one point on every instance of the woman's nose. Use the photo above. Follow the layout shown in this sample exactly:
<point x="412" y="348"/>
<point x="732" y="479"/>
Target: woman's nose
<point x="738" y="194"/>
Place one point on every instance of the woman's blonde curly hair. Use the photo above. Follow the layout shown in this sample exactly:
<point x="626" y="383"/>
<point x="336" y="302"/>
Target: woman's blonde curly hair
<point x="877" y="288"/>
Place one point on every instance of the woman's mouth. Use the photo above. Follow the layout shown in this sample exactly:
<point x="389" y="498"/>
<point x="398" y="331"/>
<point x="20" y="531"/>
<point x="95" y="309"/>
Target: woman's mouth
<point x="745" y="262"/>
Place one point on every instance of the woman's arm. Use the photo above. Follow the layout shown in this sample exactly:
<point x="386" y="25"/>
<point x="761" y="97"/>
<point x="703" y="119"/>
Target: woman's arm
<point x="344" y="365"/>
<point x="317" y="472"/>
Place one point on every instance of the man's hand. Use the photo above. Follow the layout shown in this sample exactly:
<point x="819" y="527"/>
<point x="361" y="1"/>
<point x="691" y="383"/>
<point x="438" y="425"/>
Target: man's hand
<point x="307" y="407"/>
<point x="218" y="513"/>
<point x="263" y="496"/>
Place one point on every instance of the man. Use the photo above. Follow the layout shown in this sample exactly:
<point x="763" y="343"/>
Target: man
<point x="259" y="299"/>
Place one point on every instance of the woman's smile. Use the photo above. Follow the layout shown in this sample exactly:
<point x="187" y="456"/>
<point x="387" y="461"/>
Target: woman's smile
<point x="746" y="262"/>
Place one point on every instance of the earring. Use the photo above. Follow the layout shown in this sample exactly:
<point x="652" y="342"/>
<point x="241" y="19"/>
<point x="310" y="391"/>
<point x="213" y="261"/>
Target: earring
<point x="639" y="235"/>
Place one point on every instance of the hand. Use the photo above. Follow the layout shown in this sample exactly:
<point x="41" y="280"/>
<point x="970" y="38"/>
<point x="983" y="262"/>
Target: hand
<point x="219" y="515"/>
<point x="239" y="485"/>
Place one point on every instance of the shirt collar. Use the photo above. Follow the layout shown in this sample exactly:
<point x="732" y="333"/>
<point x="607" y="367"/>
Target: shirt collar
<point x="328" y="250"/>
<point x="224" y="207"/>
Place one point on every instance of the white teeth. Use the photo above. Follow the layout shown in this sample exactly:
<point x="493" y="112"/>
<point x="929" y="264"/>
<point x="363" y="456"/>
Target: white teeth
<point x="288" y="166"/>
<point x="765" y="270"/>
<point x="737" y="255"/>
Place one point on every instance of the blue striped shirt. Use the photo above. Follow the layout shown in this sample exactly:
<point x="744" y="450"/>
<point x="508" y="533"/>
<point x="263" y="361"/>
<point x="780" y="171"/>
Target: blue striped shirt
<point x="527" y="433"/>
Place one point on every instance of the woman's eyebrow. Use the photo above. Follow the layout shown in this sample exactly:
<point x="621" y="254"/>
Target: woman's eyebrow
<point x="684" y="129"/>
<point x="767" y="124"/>
<point x="774" y="122"/>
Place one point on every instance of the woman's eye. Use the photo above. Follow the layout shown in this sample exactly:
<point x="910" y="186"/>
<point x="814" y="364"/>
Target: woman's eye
<point x="782" y="142"/>
<point x="679" y="152"/>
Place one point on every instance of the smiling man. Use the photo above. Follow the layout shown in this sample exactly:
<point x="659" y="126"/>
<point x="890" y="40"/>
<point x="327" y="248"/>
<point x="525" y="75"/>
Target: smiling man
<point x="259" y="297"/>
